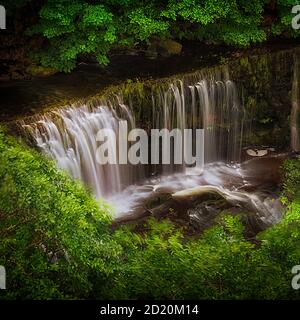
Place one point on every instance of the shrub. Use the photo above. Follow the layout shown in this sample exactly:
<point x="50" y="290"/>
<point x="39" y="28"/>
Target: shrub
<point x="219" y="265"/>
<point x="52" y="232"/>
<point x="79" y="27"/>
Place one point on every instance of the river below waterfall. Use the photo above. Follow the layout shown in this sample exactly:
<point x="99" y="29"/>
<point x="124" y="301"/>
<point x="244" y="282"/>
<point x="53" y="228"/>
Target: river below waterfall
<point x="196" y="197"/>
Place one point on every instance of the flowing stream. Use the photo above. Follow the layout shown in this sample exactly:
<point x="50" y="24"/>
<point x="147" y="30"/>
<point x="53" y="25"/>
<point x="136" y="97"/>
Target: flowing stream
<point x="206" y="100"/>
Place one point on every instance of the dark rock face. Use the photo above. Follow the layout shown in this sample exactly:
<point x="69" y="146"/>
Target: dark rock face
<point x="266" y="84"/>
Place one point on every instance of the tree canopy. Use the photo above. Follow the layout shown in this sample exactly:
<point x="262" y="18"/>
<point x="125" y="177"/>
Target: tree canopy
<point x="71" y="28"/>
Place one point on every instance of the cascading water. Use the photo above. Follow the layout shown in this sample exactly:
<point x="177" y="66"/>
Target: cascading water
<point x="209" y="101"/>
<point x="69" y="137"/>
<point x="203" y="100"/>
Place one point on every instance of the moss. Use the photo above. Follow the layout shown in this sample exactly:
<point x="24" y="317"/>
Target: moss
<point x="40" y="71"/>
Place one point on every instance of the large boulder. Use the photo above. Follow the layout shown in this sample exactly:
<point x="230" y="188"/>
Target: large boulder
<point x="164" y="47"/>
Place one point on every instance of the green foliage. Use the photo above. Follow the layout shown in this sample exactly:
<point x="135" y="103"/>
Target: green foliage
<point x="84" y="27"/>
<point x="232" y="22"/>
<point x="74" y="27"/>
<point x="55" y="243"/>
<point x="291" y="179"/>
<point x="52" y="232"/>
<point x="220" y="265"/>
<point x="285" y="16"/>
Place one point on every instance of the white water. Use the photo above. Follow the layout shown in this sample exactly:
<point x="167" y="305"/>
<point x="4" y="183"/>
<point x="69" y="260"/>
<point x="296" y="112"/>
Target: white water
<point x="226" y="180"/>
<point x="207" y="100"/>
<point x="69" y="135"/>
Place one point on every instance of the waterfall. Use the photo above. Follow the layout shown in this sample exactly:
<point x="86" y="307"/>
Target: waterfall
<point x="69" y="137"/>
<point x="210" y="103"/>
<point x="295" y="144"/>
<point x="208" y="100"/>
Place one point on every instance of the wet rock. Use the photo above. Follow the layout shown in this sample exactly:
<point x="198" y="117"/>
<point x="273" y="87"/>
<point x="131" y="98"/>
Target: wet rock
<point x="257" y="153"/>
<point x="268" y="169"/>
<point x="169" y="47"/>
<point x="203" y="214"/>
<point x="164" y="48"/>
<point x="39" y="71"/>
<point x="201" y="191"/>
<point x="15" y="75"/>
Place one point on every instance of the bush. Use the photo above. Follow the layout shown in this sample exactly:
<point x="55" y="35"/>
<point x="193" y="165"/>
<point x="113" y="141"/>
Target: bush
<point x="52" y="231"/>
<point x="291" y="180"/>
<point x="79" y="27"/>
<point x="220" y="265"/>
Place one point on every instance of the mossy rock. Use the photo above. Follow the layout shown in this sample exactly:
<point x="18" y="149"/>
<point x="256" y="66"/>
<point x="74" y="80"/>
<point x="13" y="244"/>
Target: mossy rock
<point x="39" y="71"/>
